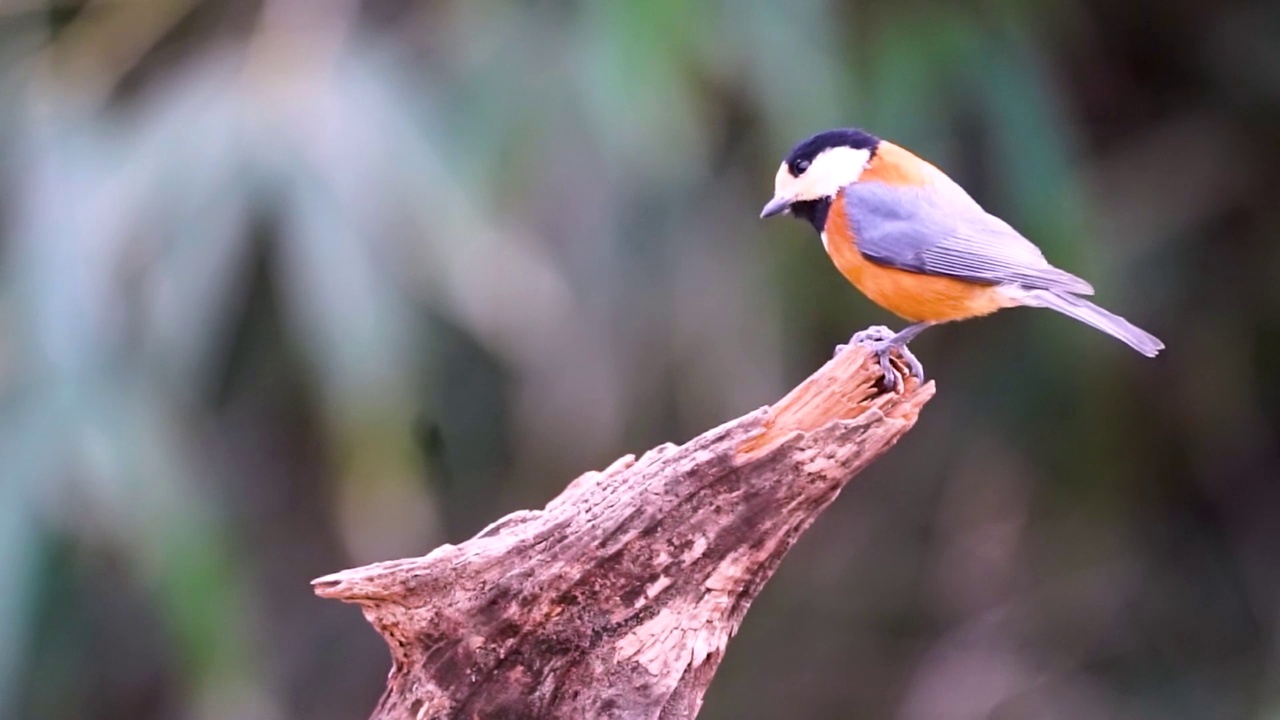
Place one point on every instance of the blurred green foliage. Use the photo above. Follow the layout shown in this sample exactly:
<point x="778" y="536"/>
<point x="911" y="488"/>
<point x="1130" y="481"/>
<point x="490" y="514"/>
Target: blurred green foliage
<point x="287" y="286"/>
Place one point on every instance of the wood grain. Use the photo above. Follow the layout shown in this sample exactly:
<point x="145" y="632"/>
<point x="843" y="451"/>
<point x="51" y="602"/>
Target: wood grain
<point x="618" y="598"/>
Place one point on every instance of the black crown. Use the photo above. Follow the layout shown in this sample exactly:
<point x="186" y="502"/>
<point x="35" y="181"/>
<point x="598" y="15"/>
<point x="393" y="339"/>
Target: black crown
<point x="801" y="155"/>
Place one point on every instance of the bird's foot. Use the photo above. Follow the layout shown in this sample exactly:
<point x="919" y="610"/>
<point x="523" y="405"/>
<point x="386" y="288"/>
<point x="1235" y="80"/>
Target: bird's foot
<point x="882" y="342"/>
<point x="862" y="337"/>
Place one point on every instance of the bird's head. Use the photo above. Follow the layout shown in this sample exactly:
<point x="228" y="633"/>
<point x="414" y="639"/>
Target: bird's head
<point x="817" y="169"/>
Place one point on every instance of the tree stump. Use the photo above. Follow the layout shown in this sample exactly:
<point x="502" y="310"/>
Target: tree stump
<point x="617" y="599"/>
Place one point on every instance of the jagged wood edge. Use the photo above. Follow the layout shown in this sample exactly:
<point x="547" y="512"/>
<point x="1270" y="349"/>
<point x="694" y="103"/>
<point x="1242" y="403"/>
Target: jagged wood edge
<point x="618" y="598"/>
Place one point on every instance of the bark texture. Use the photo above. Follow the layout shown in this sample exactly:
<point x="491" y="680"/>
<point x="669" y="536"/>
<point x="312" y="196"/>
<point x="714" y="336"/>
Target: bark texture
<point x="617" y="599"/>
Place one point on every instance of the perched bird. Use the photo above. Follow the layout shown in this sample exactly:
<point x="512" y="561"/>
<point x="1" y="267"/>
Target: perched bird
<point x="914" y="242"/>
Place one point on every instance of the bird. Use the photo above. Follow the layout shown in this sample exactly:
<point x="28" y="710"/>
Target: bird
<point x="915" y="243"/>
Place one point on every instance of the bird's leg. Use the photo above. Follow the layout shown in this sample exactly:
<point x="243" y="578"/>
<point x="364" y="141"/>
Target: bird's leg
<point x="882" y="342"/>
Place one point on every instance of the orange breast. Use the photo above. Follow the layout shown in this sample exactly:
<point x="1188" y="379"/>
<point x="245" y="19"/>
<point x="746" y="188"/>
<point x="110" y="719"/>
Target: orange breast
<point x="914" y="296"/>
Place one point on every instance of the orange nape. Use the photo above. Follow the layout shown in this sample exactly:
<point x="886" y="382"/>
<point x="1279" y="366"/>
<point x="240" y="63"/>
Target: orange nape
<point x="912" y="296"/>
<point x="895" y="165"/>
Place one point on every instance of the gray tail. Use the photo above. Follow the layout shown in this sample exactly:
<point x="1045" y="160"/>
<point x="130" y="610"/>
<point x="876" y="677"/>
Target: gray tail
<point x="1095" y="317"/>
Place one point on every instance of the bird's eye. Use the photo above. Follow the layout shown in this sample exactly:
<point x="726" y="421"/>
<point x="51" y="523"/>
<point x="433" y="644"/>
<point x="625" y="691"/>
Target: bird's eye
<point x="801" y="166"/>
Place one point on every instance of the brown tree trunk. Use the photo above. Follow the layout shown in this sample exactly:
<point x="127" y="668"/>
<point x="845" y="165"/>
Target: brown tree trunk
<point x="617" y="599"/>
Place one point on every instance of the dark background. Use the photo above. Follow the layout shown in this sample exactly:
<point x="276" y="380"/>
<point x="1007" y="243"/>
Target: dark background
<point x="293" y="286"/>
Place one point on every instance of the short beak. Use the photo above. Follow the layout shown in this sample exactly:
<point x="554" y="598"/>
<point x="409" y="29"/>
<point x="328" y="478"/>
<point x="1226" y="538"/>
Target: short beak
<point x="778" y="204"/>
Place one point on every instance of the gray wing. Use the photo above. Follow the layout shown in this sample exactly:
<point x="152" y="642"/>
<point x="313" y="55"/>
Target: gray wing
<point x="940" y="230"/>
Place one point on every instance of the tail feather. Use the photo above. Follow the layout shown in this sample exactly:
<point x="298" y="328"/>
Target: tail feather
<point x="1095" y="317"/>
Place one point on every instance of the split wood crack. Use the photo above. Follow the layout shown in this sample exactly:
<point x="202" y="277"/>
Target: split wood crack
<point x="618" y="598"/>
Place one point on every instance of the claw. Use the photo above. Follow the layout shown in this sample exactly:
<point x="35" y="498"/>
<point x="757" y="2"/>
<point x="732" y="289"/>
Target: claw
<point x="873" y="334"/>
<point x="883" y="342"/>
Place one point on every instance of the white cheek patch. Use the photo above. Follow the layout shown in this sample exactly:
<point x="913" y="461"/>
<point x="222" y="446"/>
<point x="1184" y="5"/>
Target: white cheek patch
<point x="831" y="171"/>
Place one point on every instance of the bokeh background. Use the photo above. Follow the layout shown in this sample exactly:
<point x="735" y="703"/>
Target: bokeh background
<point x="293" y="285"/>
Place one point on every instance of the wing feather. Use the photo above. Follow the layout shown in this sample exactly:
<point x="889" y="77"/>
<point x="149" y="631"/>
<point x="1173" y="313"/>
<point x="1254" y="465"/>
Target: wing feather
<point x="940" y="230"/>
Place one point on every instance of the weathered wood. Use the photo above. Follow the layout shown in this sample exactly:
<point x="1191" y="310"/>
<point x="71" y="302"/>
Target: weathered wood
<point x="617" y="599"/>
